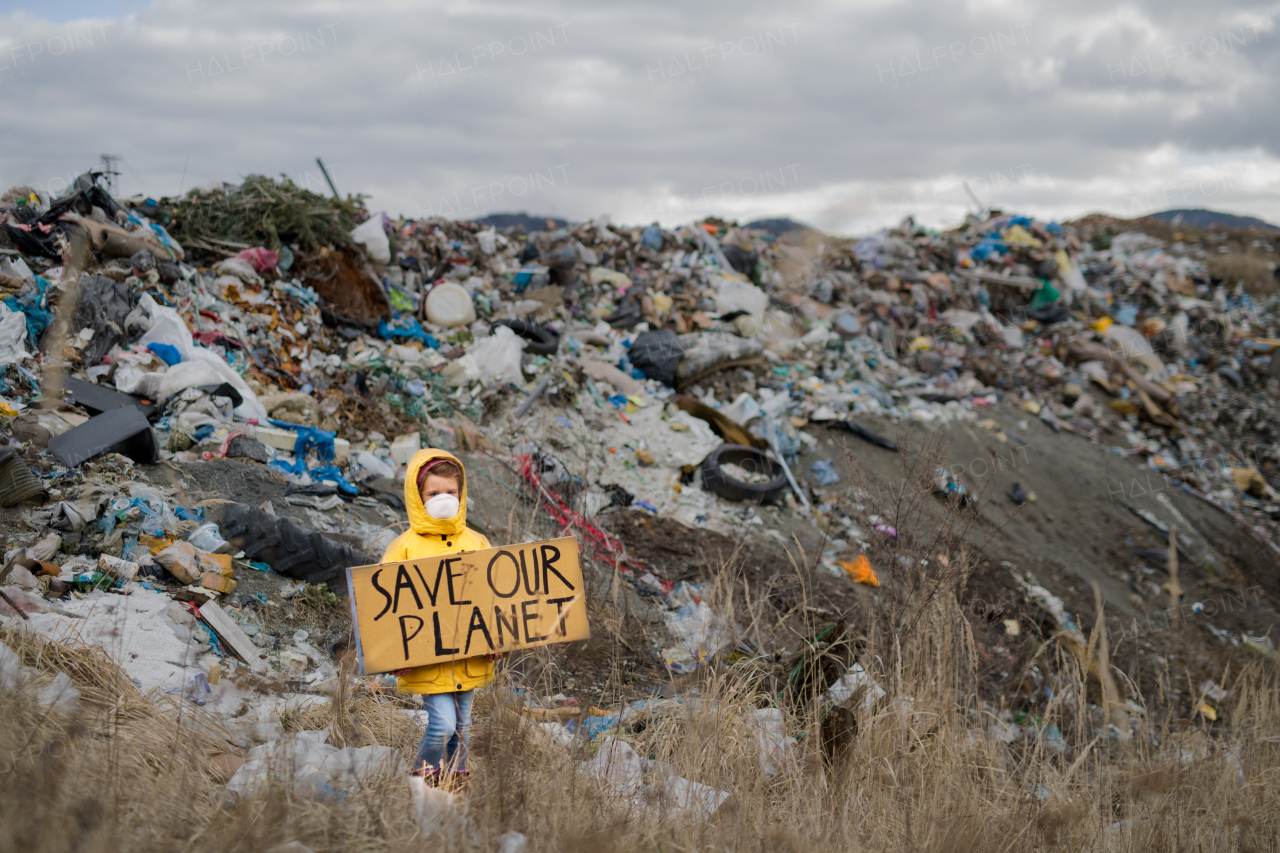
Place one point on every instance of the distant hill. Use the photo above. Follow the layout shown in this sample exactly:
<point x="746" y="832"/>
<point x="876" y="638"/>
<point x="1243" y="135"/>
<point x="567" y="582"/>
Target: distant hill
<point x="1208" y="218"/>
<point x="779" y="225"/>
<point x="524" y="220"/>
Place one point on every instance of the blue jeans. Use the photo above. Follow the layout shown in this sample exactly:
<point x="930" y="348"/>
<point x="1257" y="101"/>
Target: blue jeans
<point x="444" y="743"/>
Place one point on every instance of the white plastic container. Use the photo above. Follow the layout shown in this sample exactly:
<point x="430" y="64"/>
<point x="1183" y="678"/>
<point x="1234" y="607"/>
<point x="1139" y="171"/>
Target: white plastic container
<point x="403" y="448"/>
<point x="117" y="567"/>
<point x="208" y="538"/>
<point x="449" y="305"/>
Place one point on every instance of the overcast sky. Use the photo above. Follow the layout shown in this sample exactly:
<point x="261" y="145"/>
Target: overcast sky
<point x="844" y="115"/>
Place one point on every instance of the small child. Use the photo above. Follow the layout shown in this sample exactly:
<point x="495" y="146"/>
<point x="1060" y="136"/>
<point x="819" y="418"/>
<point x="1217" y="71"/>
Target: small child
<point x="435" y="497"/>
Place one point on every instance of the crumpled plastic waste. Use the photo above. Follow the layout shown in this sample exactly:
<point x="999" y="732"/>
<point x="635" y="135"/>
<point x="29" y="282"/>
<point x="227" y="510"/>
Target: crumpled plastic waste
<point x="308" y="764"/>
<point x="309" y="439"/>
<point x="648" y="785"/>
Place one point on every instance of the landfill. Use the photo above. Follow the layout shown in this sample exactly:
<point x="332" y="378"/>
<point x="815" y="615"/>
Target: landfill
<point x="166" y="362"/>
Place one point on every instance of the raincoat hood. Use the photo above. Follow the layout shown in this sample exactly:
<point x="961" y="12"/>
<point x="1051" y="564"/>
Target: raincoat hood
<point x="419" y="521"/>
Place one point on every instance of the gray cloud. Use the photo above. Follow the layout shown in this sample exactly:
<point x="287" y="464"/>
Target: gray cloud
<point x="845" y="117"/>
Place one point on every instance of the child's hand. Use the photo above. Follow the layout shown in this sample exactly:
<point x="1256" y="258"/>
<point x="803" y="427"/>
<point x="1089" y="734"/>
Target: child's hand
<point x="497" y="657"/>
<point x="401" y="673"/>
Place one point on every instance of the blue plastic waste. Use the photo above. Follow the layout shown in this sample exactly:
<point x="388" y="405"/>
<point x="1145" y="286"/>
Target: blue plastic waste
<point x="824" y="473"/>
<point x="594" y="726"/>
<point x="310" y="438"/>
<point x="35" y="306"/>
<point x="409" y="329"/>
<point x="305" y="294"/>
<point x="166" y="352"/>
<point x="189" y="514"/>
<point x="1127" y="315"/>
<point x="652" y="237"/>
<point x="986" y="247"/>
<point x="161" y="234"/>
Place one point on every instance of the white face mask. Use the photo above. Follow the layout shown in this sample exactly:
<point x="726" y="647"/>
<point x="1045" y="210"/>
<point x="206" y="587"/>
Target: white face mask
<point x="442" y="507"/>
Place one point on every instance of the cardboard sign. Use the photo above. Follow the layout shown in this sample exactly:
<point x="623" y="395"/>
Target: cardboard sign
<point x="456" y="606"/>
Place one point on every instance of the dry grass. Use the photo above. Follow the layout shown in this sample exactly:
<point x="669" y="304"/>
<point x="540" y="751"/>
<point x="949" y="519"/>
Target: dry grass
<point x="921" y="774"/>
<point x="917" y="770"/>
<point x="1250" y="267"/>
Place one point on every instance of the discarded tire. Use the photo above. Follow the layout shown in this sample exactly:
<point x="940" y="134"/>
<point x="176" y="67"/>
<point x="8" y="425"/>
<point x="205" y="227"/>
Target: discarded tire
<point x="721" y="482"/>
<point x="289" y="549"/>
<point x="17" y="483"/>
<point x="542" y="341"/>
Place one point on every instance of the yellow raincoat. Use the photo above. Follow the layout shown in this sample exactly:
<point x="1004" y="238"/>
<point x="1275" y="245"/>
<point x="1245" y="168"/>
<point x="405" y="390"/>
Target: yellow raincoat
<point x="430" y="537"/>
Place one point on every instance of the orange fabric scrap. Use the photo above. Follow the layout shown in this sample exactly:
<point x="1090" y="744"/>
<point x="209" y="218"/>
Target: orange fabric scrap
<point x="860" y="571"/>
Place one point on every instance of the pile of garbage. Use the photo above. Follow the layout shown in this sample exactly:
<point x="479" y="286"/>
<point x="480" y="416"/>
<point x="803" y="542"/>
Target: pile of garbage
<point x="680" y="371"/>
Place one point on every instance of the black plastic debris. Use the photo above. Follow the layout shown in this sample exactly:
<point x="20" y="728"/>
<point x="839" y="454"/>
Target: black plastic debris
<point x="289" y="549"/>
<point x="741" y="260"/>
<point x="225" y="389"/>
<point x="656" y="354"/>
<point x="1160" y="559"/>
<point x="346" y="327"/>
<point x="169" y="272"/>
<point x="84" y="196"/>
<point x="143" y="261"/>
<point x="865" y="434"/>
<point x="617" y="495"/>
<point x="243" y="447"/>
<point x="103" y="306"/>
<point x="33" y="243"/>
<point x="320" y="490"/>
<point x="630" y="310"/>
<point x="1055" y="312"/>
<point x="125" y="431"/>
<point x="1231" y="375"/>
<point x="542" y="340"/>
<point x="96" y="399"/>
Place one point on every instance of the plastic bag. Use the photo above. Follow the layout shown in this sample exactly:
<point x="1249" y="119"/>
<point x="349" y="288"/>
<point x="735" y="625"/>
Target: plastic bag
<point x="734" y="295"/>
<point x="652" y="237"/>
<point x="1137" y="349"/>
<point x="824" y="473"/>
<point x="103" y="306"/>
<point x="163" y="326"/>
<point x="704" y="351"/>
<point x="365" y="464"/>
<point x="166" y="353"/>
<point x="371" y="234"/>
<point x="60" y="695"/>
<point x="262" y="259"/>
<point x="241" y="268"/>
<point x="433" y="806"/>
<point x="199" y="366"/>
<point x="656" y="354"/>
<point x="13" y="335"/>
<point x="498" y="356"/>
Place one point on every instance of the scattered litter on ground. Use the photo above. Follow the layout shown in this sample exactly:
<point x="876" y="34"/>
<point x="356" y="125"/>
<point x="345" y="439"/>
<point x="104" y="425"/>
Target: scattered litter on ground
<point x="208" y="404"/>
